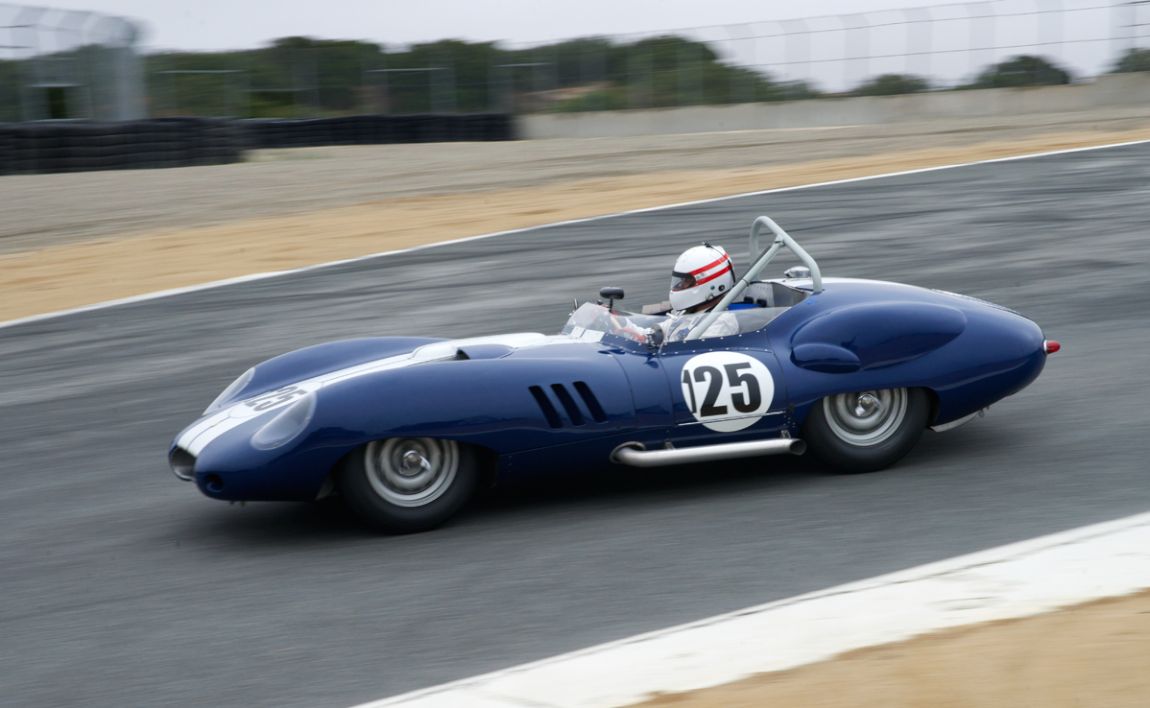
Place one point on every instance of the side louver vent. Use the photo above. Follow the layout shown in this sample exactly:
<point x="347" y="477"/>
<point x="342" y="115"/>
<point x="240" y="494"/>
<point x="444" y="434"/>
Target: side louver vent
<point x="549" y="411"/>
<point x="568" y="404"/>
<point x="592" y="403"/>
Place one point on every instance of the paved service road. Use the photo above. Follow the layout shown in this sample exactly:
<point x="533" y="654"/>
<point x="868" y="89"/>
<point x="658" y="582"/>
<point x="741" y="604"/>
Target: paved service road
<point x="121" y="586"/>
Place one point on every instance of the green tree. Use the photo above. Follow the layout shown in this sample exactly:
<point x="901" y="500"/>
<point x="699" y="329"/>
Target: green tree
<point x="461" y="74"/>
<point x="891" y="84"/>
<point x="797" y="91"/>
<point x="326" y="76"/>
<point x="303" y="76"/>
<point x="197" y="83"/>
<point x="659" y="72"/>
<point x="1133" y="60"/>
<point x="1023" y="70"/>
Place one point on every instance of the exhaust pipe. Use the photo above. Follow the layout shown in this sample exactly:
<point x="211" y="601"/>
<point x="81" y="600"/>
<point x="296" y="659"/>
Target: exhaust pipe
<point x="636" y="454"/>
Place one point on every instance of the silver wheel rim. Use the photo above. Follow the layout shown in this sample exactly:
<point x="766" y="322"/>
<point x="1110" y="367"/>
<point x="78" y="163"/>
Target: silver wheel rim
<point x="411" y="472"/>
<point x="866" y="418"/>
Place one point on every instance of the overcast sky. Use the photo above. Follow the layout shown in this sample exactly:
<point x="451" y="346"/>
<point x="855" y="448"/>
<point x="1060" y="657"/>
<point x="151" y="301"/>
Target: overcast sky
<point x="234" y="24"/>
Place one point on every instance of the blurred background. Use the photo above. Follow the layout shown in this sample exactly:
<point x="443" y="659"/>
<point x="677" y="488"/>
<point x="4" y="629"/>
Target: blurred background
<point x="60" y="64"/>
<point x="123" y="587"/>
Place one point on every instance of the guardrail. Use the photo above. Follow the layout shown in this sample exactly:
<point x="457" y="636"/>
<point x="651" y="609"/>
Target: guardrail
<point x="379" y="129"/>
<point x="29" y="148"/>
<point x="66" y="146"/>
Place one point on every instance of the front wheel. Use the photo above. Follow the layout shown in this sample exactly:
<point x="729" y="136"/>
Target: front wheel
<point x="403" y="485"/>
<point x="865" y="431"/>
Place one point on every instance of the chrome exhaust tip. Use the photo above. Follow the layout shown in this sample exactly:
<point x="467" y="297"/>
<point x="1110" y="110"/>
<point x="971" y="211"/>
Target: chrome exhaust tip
<point x="635" y="454"/>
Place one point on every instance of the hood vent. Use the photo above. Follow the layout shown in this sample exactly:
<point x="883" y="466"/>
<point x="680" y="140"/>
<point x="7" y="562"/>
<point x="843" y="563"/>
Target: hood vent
<point x="558" y="397"/>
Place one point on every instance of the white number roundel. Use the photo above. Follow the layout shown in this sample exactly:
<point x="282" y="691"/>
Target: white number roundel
<point x="727" y="391"/>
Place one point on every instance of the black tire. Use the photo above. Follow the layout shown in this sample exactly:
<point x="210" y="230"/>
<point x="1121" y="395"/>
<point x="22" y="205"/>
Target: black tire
<point x="883" y="435"/>
<point x="405" y="485"/>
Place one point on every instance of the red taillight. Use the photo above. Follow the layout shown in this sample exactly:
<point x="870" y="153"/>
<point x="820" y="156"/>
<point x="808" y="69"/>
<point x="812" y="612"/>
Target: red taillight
<point x="1050" y="346"/>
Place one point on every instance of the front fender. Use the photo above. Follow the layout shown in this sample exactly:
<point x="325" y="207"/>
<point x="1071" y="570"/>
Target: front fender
<point x="505" y="405"/>
<point x="320" y="359"/>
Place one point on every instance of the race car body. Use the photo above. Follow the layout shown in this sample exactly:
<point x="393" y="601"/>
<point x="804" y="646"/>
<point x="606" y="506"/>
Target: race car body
<point x="403" y="428"/>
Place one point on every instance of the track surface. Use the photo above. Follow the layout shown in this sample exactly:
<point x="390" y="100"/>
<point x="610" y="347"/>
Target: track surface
<point x="121" y="586"/>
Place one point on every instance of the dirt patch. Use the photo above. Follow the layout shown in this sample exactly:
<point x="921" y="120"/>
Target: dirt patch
<point x="76" y="274"/>
<point x="1095" y="655"/>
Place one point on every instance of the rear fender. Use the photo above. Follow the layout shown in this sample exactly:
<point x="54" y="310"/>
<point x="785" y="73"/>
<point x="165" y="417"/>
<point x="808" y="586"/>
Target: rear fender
<point x="998" y="354"/>
<point x="874" y="335"/>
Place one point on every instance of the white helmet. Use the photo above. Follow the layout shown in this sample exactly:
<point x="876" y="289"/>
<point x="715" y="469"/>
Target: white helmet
<point x="702" y="273"/>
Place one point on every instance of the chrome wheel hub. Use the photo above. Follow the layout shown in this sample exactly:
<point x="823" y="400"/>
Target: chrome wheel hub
<point x="411" y="472"/>
<point x="867" y="404"/>
<point x="866" y="418"/>
<point x="413" y="463"/>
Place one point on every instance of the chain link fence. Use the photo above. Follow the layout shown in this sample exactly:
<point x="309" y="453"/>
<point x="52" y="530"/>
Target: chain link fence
<point x="938" y="47"/>
<point x="62" y="64"/>
<point x="66" y="64"/>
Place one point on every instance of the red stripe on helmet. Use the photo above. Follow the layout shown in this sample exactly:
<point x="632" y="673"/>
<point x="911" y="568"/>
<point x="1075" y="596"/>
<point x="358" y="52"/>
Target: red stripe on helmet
<point x="712" y="276"/>
<point x="712" y="265"/>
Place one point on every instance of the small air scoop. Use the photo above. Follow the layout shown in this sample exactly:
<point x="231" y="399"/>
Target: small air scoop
<point x="1050" y="346"/>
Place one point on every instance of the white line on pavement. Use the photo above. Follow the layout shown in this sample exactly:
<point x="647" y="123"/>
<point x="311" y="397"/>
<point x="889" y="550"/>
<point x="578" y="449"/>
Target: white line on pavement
<point x="1015" y="580"/>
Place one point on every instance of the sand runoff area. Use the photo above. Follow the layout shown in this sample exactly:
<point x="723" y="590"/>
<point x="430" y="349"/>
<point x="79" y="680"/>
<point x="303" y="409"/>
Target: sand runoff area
<point x="76" y="239"/>
<point x="71" y="240"/>
<point x="1092" y="656"/>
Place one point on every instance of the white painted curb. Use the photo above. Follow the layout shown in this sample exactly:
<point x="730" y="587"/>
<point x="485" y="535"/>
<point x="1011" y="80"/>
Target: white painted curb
<point x="277" y="274"/>
<point x="1016" y="580"/>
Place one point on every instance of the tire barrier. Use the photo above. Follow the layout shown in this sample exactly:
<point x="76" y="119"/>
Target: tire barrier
<point x="31" y="148"/>
<point x="378" y="129"/>
<point x="67" y="146"/>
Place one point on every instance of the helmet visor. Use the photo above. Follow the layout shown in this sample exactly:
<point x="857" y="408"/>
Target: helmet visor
<point x="682" y="281"/>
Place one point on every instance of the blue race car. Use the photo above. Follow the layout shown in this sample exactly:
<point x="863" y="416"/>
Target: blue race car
<point x="405" y="428"/>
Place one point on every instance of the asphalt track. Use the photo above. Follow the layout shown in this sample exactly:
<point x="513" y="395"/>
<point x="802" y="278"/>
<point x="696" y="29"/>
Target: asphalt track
<point x="121" y="586"/>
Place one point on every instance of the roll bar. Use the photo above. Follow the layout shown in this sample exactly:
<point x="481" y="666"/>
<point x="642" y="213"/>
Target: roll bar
<point x="782" y="238"/>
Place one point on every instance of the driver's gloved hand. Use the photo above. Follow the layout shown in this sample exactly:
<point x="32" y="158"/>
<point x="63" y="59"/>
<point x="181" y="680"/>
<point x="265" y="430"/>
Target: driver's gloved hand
<point x="655" y="336"/>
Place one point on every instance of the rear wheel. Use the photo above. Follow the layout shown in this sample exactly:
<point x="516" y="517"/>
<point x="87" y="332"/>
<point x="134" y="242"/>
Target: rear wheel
<point x="866" y="431"/>
<point x="403" y="485"/>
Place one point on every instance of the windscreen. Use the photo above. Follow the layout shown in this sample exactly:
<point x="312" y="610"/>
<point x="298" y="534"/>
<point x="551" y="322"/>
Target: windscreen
<point x="591" y="321"/>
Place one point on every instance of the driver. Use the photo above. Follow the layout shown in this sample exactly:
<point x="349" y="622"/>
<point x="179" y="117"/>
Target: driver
<point x="700" y="278"/>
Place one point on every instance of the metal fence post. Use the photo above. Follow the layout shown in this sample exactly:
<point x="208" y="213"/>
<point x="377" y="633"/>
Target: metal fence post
<point x="853" y="24"/>
<point x="492" y="89"/>
<point x="631" y="80"/>
<point x="737" y="84"/>
<point x="82" y="67"/>
<point x="801" y="32"/>
<point x="316" y="96"/>
<point x="604" y="71"/>
<point x="918" y="61"/>
<point x="27" y="19"/>
<point x="1051" y="23"/>
<point x="680" y="75"/>
<point x="973" y="49"/>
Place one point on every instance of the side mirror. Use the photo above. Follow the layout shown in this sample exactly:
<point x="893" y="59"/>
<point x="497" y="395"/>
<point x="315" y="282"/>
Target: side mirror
<point x="611" y="295"/>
